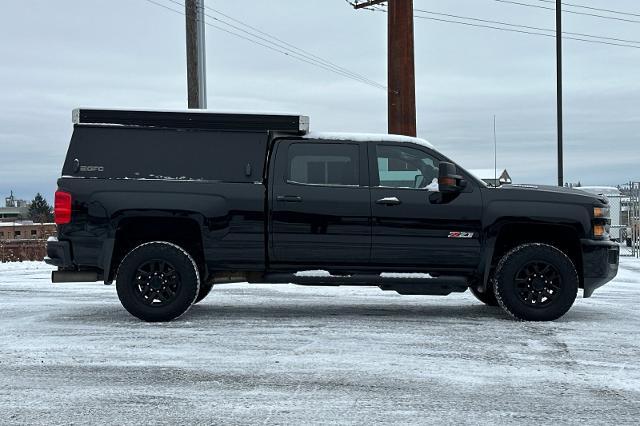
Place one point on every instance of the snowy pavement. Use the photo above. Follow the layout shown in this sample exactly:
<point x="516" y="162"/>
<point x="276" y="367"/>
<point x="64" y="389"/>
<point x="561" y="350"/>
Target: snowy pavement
<point x="290" y="355"/>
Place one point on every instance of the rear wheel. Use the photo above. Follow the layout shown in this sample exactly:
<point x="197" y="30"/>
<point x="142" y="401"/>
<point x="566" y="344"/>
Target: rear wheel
<point x="157" y="281"/>
<point x="536" y="282"/>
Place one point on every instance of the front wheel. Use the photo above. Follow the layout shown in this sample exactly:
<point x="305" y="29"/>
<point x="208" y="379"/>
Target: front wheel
<point x="536" y="282"/>
<point x="157" y="281"/>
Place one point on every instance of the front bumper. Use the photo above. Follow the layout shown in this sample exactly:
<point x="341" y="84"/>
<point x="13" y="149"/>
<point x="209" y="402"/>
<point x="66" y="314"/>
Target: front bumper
<point x="600" y="263"/>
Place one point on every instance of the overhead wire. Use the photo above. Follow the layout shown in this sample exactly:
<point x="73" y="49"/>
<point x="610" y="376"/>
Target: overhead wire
<point x="306" y="52"/>
<point x="597" y="9"/>
<point x="525" y="26"/>
<point x="283" y="44"/>
<point x="280" y="49"/>
<point x="537" y="6"/>
<point x="527" y="30"/>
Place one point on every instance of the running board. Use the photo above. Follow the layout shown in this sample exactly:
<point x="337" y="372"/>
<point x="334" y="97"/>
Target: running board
<point x="74" y="277"/>
<point x="440" y="286"/>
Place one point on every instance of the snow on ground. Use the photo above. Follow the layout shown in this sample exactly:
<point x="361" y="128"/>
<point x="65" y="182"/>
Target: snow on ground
<point x="283" y="354"/>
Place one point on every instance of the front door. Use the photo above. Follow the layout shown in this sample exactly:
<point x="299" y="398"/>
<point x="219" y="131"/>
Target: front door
<point x="412" y="225"/>
<point x="320" y="210"/>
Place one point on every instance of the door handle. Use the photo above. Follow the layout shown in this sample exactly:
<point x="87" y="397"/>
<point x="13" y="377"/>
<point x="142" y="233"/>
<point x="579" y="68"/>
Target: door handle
<point x="289" y="198"/>
<point x="389" y="201"/>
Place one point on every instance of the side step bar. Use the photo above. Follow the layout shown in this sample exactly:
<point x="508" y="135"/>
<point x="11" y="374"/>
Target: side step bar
<point x="74" y="276"/>
<point x="440" y="286"/>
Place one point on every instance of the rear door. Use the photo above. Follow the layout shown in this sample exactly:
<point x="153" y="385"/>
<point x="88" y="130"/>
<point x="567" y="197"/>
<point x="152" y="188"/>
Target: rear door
<point x="413" y="226"/>
<point x="320" y="205"/>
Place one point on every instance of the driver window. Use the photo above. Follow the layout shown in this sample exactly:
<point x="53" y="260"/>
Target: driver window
<point x="406" y="167"/>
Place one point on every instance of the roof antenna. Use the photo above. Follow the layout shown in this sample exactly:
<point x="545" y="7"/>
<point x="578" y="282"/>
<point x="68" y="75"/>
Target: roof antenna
<point x="495" y="153"/>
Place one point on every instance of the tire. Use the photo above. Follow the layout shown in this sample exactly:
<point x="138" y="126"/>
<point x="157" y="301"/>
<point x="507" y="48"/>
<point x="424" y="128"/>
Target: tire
<point x="205" y="289"/>
<point x="536" y="282"/>
<point x="157" y="281"/>
<point x="488" y="297"/>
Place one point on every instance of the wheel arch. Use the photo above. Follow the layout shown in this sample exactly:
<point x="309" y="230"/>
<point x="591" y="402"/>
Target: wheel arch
<point x="509" y="234"/>
<point x="132" y="229"/>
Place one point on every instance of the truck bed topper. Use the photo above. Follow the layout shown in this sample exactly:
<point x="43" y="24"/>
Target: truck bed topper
<point x="192" y="119"/>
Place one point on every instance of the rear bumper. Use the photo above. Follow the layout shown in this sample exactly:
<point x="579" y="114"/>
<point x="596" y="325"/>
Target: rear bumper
<point x="59" y="253"/>
<point x="600" y="263"/>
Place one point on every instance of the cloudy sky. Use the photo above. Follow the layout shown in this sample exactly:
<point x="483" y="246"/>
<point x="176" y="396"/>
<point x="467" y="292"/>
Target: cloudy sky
<point x="58" y="55"/>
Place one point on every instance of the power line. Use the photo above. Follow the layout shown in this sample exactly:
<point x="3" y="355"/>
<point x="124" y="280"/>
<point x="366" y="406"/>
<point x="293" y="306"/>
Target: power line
<point x="321" y="62"/>
<point x="286" y="45"/>
<point x="290" y="53"/>
<point x="598" y="9"/>
<point x="524" y="26"/>
<point x="569" y="11"/>
<point x="568" y="36"/>
<point x="527" y="32"/>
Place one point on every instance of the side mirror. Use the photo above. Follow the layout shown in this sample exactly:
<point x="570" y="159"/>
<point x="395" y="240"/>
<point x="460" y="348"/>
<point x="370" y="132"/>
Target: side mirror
<point x="448" y="178"/>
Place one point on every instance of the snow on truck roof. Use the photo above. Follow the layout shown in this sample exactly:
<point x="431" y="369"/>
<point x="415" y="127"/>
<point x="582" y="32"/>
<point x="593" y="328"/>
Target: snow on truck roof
<point x="366" y="137"/>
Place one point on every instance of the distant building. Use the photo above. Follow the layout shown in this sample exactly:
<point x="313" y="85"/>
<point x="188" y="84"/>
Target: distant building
<point x="491" y="178"/>
<point x="26" y="230"/>
<point x="12" y="213"/>
<point x="14" y="209"/>
<point x="12" y="201"/>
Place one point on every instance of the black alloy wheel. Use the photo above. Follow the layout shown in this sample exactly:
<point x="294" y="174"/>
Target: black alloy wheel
<point x="157" y="281"/>
<point x="536" y="282"/>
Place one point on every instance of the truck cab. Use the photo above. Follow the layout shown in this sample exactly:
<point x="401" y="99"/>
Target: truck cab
<point x="182" y="201"/>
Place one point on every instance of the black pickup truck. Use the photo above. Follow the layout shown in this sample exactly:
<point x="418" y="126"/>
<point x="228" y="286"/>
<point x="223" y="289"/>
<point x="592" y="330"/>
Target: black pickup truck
<point x="167" y="204"/>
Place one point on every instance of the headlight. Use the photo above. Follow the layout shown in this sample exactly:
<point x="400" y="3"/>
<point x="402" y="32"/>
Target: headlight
<point x="601" y="212"/>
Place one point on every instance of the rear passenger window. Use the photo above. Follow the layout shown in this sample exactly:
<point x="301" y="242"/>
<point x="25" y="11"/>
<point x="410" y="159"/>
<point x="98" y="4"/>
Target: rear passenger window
<point x="323" y="164"/>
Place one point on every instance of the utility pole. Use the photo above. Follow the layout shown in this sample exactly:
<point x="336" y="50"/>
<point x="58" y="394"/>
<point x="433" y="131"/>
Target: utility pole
<point x="196" y="57"/>
<point x="559" y="91"/>
<point x="401" y="65"/>
<point x="402" y="73"/>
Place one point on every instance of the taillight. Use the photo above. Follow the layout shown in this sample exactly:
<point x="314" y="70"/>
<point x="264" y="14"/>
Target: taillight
<point x="62" y="208"/>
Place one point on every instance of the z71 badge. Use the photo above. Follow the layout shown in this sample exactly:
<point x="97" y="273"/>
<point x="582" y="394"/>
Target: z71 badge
<point x="460" y="234"/>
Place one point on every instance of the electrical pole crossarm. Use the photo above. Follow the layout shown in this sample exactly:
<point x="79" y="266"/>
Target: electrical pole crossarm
<point x="369" y="3"/>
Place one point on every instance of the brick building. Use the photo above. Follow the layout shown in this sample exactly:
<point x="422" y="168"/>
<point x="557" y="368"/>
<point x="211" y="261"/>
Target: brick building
<point x="24" y="240"/>
<point x="26" y="230"/>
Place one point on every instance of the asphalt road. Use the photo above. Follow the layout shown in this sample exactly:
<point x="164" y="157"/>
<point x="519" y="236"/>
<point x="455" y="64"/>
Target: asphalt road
<point x="293" y="355"/>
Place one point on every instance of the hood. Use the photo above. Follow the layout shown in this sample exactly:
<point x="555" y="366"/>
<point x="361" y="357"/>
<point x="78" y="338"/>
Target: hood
<point x="551" y="193"/>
